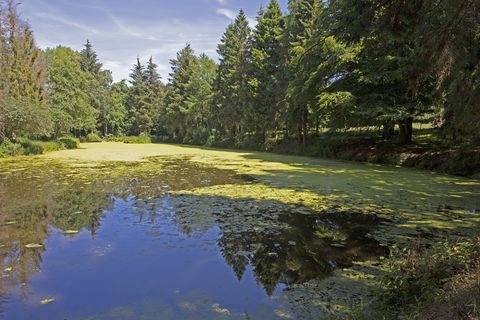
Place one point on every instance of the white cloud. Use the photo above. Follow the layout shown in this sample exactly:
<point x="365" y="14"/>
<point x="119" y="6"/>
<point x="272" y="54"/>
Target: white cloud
<point x="222" y="2"/>
<point x="66" y="22"/>
<point x="230" y="14"/>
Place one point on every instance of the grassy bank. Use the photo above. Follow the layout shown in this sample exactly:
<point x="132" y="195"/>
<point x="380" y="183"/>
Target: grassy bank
<point x="437" y="283"/>
<point x="26" y="147"/>
<point x="428" y="150"/>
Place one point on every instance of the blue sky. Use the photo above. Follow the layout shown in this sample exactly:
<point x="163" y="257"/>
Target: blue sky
<point x="121" y="30"/>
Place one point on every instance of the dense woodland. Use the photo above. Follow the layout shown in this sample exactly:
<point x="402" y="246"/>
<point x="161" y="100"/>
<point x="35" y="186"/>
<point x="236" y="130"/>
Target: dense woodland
<point x="321" y="66"/>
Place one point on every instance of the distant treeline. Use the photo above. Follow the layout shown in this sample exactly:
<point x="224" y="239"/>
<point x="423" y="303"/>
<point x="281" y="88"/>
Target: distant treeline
<point x="324" y="65"/>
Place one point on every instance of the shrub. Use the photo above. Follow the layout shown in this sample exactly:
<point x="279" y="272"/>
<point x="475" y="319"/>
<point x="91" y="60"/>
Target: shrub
<point x="69" y="142"/>
<point x="30" y="147"/>
<point x="8" y="149"/>
<point x="197" y="137"/>
<point x="418" y="277"/>
<point x="143" y="138"/>
<point x="49" y="146"/>
<point x="93" y="137"/>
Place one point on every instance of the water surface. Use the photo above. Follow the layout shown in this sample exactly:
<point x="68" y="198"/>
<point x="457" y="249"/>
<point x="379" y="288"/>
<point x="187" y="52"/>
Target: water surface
<point x="128" y="241"/>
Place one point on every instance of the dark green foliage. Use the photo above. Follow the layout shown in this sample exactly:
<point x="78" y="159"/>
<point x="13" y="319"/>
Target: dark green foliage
<point x="321" y="67"/>
<point x="232" y="92"/>
<point x="69" y="142"/>
<point x="176" y="103"/>
<point x="30" y="147"/>
<point x="420" y="276"/>
<point x="93" y="137"/>
<point x="265" y="72"/>
<point x="143" y="138"/>
<point x="9" y="149"/>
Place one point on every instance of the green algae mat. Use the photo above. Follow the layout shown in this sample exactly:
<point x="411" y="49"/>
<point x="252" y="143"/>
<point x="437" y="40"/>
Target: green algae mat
<point x="116" y="231"/>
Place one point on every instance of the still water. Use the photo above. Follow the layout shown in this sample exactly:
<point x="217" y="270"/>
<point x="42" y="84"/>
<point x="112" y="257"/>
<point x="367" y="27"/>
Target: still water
<point x="121" y="241"/>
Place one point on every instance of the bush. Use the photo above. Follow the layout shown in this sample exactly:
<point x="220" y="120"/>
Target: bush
<point x="197" y="137"/>
<point x="9" y="149"/>
<point x="30" y="147"/>
<point x="143" y="138"/>
<point x="69" y="142"/>
<point x="49" y="146"/>
<point x="93" y="137"/>
<point x="418" y="277"/>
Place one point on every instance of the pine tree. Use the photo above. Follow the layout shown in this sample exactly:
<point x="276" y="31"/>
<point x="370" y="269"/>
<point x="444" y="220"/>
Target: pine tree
<point x="176" y="96"/>
<point x="136" y="97"/>
<point x="149" y="114"/>
<point x="198" y="114"/>
<point x="298" y="29"/>
<point x="267" y="60"/>
<point x="89" y="60"/>
<point x="232" y="91"/>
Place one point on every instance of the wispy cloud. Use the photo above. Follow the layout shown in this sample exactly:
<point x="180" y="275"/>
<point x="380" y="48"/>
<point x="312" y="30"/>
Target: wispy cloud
<point x="230" y="14"/>
<point x="120" y="32"/>
<point x="66" y="22"/>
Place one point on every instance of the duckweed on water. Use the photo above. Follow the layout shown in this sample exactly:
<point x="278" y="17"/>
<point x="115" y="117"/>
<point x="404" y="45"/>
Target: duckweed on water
<point x="308" y="231"/>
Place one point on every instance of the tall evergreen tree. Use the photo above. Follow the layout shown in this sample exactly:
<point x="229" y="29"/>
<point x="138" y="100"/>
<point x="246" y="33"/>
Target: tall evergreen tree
<point x="89" y="59"/>
<point x="176" y="95"/>
<point x="267" y="59"/>
<point x="298" y="30"/>
<point x="149" y="110"/>
<point x="135" y="97"/>
<point x="232" y="92"/>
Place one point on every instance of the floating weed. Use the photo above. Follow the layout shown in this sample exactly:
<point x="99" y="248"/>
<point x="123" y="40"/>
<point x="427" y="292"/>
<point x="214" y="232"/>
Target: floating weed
<point x="70" y="232"/>
<point x="223" y="311"/>
<point x="47" y="301"/>
<point x="33" y="246"/>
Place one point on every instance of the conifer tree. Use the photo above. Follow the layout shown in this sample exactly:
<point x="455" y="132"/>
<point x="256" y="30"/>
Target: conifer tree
<point x="298" y="29"/>
<point x="89" y="60"/>
<point x="232" y="91"/>
<point x="267" y="59"/>
<point x="176" y="96"/>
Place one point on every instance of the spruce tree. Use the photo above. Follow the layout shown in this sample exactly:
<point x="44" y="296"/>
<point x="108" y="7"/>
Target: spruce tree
<point x="298" y="29"/>
<point x="89" y="60"/>
<point x="177" y="93"/>
<point x="232" y="91"/>
<point x="265" y="74"/>
<point x="136" y="98"/>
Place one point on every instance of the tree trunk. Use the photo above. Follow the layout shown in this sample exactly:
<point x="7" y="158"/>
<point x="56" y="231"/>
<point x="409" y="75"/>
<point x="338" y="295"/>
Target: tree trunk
<point x="304" y="129"/>
<point x="406" y="131"/>
<point x="388" y="130"/>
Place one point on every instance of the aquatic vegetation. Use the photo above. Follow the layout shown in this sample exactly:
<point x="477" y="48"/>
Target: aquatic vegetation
<point x="308" y="232"/>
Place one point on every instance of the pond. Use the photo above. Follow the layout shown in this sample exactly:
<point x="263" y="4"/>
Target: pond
<point x="135" y="240"/>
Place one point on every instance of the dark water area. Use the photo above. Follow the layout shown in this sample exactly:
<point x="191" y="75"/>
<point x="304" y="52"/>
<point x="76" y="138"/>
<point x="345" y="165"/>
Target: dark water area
<point x="128" y="241"/>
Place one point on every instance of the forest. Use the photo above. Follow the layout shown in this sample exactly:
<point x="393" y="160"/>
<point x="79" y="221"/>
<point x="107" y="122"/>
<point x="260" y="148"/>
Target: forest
<point x="323" y="66"/>
<point x="203" y="223"/>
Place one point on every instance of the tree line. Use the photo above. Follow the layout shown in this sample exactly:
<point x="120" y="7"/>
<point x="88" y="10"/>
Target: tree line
<point x="322" y="65"/>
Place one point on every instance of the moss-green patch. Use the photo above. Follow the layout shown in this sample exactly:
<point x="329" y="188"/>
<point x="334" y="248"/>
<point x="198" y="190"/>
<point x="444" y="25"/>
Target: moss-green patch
<point x="242" y="192"/>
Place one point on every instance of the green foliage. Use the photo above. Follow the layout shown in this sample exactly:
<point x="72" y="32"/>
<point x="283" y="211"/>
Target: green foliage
<point x="266" y="70"/>
<point x="30" y="147"/>
<point x="68" y="93"/>
<point x="69" y="142"/>
<point x="23" y="117"/>
<point x="9" y="149"/>
<point x="143" y="138"/>
<point x="93" y="137"/>
<point x="418" y="276"/>
<point x="232" y="93"/>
